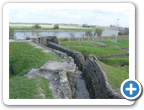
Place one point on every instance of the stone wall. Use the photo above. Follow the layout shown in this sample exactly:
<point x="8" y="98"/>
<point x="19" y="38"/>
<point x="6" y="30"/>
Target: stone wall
<point x="78" y="57"/>
<point x="43" y="40"/>
<point x="96" y="81"/>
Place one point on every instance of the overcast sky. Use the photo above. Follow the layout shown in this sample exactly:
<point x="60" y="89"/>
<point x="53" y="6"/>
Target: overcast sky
<point x="101" y="17"/>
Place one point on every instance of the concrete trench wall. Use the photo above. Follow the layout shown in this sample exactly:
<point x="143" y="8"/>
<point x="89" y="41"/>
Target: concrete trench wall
<point x="96" y="81"/>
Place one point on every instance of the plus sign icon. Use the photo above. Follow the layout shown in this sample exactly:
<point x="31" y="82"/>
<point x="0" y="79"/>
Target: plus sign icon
<point x="131" y="89"/>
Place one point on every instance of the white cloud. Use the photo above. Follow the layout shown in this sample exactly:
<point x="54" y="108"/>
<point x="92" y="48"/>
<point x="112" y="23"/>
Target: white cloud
<point x="79" y="16"/>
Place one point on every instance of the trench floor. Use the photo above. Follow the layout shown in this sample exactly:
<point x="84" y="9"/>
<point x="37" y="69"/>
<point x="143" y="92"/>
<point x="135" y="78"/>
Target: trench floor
<point x="81" y="92"/>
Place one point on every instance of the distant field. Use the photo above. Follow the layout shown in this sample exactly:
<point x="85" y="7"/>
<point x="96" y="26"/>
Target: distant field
<point x="50" y="27"/>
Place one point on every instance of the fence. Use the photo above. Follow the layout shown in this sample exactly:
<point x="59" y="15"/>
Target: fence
<point x="99" y="38"/>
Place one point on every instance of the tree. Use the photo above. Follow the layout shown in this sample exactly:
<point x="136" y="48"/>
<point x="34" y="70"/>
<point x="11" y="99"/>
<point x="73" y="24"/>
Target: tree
<point x="11" y="33"/>
<point x="120" y="33"/>
<point x="88" y="33"/>
<point x="126" y="32"/>
<point x="56" y="26"/>
<point x="72" y="35"/>
<point x="98" y="32"/>
<point x="36" y="26"/>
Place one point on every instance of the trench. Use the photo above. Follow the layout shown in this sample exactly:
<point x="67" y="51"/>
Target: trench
<point x="81" y="91"/>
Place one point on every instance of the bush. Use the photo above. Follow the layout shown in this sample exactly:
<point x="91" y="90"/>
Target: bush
<point x="11" y="33"/>
<point x="98" y="31"/>
<point x="88" y="33"/>
<point x="56" y="26"/>
<point x="36" y="26"/>
<point x="120" y="33"/>
<point x="124" y="32"/>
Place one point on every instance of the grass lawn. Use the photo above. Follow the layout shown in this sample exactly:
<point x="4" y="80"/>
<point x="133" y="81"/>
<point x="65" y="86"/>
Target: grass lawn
<point x="119" y="43"/>
<point x="98" y="51"/>
<point x="125" y="68"/>
<point x="121" y="61"/>
<point x="21" y="87"/>
<point x="87" y="48"/>
<point x="77" y="43"/>
<point x="23" y="57"/>
<point x="115" y="75"/>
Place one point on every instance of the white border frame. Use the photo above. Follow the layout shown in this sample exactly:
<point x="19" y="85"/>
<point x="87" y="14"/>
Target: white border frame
<point x="8" y="6"/>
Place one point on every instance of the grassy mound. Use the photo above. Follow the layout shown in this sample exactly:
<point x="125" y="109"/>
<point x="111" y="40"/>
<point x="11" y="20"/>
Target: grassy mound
<point x="121" y="61"/>
<point x="23" y="57"/>
<point x="115" y="75"/>
<point x="119" y="43"/>
<point x="87" y="48"/>
<point x="21" y="87"/>
<point x="77" y="43"/>
<point x="99" y="51"/>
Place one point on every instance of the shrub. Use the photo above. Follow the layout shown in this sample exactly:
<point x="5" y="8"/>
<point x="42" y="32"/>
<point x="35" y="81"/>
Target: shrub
<point x="56" y="26"/>
<point x="37" y="26"/>
<point x="98" y="31"/>
<point x="88" y="33"/>
<point x="11" y="33"/>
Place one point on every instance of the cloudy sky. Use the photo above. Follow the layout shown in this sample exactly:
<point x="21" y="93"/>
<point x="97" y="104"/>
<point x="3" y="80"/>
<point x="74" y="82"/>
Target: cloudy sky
<point x="101" y="17"/>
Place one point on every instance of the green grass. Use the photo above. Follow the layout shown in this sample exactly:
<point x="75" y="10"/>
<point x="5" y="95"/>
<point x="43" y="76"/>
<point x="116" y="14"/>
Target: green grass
<point x="87" y="48"/>
<point x="121" y="61"/>
<point x="23" y="57"/>
<point x="21" y="87"/>
<point x="98" y="51"/>
<point x="115" y="75"/>
<point x="119" y="43"/>
<point x="77" y="43"/>
<point x="125" y="68"/>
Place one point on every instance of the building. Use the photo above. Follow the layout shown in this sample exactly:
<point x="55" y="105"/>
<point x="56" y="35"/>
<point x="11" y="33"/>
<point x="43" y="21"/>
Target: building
<point x="45" y="39"/>
<point x="126" y="28"/>
<point x="85" y="25"/>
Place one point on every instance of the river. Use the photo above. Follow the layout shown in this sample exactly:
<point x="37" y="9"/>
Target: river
<point x="23" y="35"/>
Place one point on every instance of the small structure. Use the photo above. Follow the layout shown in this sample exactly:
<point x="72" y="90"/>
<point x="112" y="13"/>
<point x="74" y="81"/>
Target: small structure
<point x="43" y="40"/>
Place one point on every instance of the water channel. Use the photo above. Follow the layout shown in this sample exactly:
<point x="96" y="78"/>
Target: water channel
<point x="23" y="35"/>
